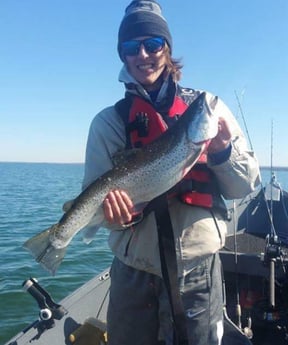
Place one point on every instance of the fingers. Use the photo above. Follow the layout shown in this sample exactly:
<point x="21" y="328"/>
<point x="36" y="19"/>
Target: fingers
<point x="222" y="139"/>
<point x="224" y="129"/>
<point x="118" y="207"/>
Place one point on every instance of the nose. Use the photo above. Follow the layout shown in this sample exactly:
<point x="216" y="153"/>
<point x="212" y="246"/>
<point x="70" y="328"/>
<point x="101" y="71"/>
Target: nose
<point x="142" y="51"/>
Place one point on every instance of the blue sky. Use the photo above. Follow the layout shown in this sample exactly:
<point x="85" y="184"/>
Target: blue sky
<point x="59" y="67"/>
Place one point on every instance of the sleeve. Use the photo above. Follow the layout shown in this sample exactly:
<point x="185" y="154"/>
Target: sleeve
<point x="106" y="137"/>
<point x="239" y="174"/>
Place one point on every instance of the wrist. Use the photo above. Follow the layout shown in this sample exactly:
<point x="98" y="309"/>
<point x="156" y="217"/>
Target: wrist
<point x="220" y="156"/>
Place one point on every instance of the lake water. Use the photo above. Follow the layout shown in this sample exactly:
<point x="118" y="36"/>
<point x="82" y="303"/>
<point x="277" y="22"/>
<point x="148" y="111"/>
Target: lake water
<point x="31" y="199"/>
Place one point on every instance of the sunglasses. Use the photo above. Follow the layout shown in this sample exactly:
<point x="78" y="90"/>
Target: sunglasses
<point x="151" y="45"/>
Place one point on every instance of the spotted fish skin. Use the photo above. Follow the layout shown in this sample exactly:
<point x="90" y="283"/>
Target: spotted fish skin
<point x="143" y="173"/>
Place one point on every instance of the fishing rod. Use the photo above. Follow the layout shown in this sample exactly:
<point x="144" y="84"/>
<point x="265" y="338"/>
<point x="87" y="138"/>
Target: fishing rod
<point x="273" y="231"/>
<point x="272" y="249"/>
<point x="243" y="119"/>
<point x="238" y="310"/>
<point x="271" y="171"/>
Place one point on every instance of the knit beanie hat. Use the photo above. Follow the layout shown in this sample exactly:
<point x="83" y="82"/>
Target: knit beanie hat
<point x="143" y="18"/>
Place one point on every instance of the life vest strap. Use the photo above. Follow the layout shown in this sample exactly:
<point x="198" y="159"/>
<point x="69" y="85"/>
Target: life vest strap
<point x="169" y="269"/>
<point x="140" y="124"/>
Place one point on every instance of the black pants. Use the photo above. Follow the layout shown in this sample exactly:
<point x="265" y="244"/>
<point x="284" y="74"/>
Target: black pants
<point x="139" y="310"/>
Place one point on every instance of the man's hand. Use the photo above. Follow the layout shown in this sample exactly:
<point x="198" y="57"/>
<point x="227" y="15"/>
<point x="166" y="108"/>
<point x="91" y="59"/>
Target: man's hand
<point x="118" y="207"/>
<point x="222" y="139"/>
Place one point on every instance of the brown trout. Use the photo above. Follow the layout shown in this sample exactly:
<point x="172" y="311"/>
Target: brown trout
<point x="143" y="173"/>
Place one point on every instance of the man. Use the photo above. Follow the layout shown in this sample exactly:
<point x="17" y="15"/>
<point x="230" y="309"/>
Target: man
<point x="140" y="311"/>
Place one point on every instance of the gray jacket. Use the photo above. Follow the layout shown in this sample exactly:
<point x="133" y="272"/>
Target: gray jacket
<point x="197" y="234"/>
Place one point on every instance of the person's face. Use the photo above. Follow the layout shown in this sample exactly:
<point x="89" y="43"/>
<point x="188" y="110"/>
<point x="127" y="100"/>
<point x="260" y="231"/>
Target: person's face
<point x="147" y="67"/>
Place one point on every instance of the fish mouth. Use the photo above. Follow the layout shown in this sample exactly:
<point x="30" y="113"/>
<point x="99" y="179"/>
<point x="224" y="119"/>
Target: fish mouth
<point x="214" y="102"/>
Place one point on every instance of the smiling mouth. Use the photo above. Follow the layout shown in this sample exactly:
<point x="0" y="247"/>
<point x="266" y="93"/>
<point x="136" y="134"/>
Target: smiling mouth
<point x="145" y="67"/>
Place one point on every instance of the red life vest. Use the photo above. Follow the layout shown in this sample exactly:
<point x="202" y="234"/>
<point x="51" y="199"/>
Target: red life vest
<point x="145" y="124"/>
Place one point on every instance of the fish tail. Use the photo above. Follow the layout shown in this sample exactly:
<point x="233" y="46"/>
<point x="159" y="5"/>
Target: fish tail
<point x="44" y="252"/>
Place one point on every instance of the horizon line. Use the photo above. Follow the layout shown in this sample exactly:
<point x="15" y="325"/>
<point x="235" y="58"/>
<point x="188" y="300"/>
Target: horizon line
<point x="57" y="162"/>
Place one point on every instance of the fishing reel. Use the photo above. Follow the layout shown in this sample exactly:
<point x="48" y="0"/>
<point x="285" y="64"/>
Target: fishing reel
<point x="49" y="310"/>
<point x="272" y="255"/>
<point x="270" y="312"/>
<point x="272" y="249"/>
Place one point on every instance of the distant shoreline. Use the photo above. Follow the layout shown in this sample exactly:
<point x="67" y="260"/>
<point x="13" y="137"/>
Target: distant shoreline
<point x="264" y="167"/>
<point x="19" y="162"/>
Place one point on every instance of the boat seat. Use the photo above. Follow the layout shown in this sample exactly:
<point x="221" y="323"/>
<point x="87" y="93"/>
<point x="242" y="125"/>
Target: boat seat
<point x="92" y="332"/>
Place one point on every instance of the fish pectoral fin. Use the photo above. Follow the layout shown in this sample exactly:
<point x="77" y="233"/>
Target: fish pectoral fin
<point x="89" y="233"/>
<point x="98" y="221"/>
<point x="67" y="205"/>
<point x="90" y="230"/>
